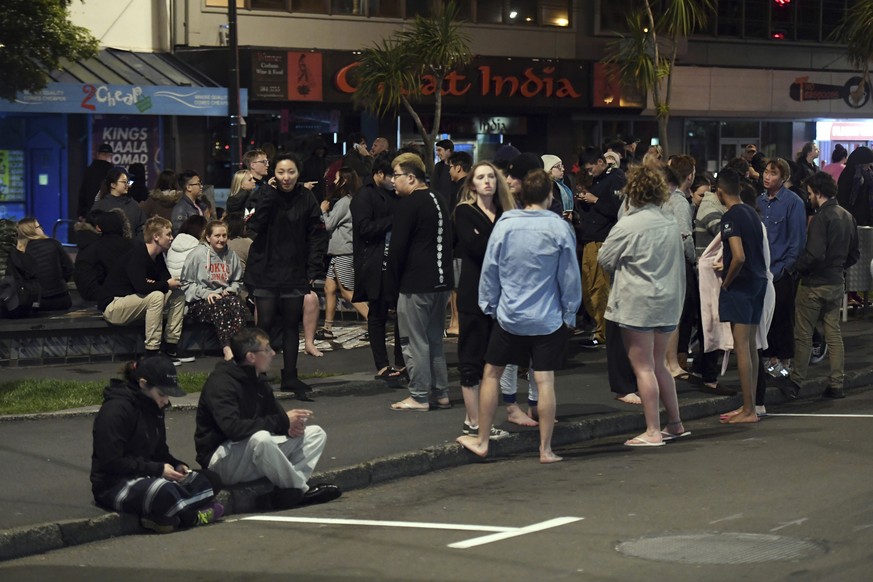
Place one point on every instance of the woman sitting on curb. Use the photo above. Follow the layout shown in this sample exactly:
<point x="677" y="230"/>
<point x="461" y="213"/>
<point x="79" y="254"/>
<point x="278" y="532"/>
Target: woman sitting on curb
<point x="132" y="470"/>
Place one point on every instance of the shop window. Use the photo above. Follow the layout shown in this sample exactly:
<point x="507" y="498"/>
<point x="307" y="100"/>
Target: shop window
<point x="554" y="12"/>
<point x="347" y="7"/>
<point x="385" y="8"/>
<point x="522" y="12"/>
<point x="268" y="4"/>
<point x="418" y="8"/>
<point x="489" y="11"/>
<point x="465" y="11"/>
<point x="832" y="14"/>
<point x="223" y="3"/>
<point x="755" y="17"/>
<point x="309" y="6"/>
<point x="782" y="16"/>
<point x="808" y="20"/>
<point x="730" y="18"/>
<point x="613" y="15"/>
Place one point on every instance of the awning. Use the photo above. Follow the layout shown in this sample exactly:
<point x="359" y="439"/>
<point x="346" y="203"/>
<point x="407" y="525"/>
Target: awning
<point x="127" y="83"/>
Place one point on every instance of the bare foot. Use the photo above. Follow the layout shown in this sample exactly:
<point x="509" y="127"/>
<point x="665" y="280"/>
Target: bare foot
<point x="730" y="414"/>
<point x="547" y="457"/>
<point x="311" y="350"/>
<point x="472" y="444"/>
<point x="740" y="418"/>
<point x="632" y="398"/>
<point x="228" y="353"/>
<point x="515" y="415"/>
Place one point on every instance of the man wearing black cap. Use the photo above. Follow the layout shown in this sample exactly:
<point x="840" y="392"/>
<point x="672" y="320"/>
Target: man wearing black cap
<point x="94" y="176"/>
<point x="518" y="169"/>
<point x="132" y="469"/>
<point x="244" y="434"/>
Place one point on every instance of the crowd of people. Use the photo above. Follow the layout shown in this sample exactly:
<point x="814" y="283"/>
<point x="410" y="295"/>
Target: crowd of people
<point x="516" y="253"/>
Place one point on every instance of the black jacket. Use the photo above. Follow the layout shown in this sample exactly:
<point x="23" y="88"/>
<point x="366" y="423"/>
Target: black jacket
<point x="831" y="246"/>
<point x="94" y="176"/>
<point x="372" y="217"/>
<point x="131" y="274"/>
<point x="291" y="241"/>
<point x="93" y="264"/>
<point x="53" y="266"/>
<point x="234" y="405"/>
<point x="420" y="252"/>
<point x="130" y="439"/>
<point x="594" y="221"/>
<point x="472" y="230"/>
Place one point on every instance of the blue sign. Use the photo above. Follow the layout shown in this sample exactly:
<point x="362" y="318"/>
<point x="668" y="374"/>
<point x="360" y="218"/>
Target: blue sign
<point x="125" y="100"/>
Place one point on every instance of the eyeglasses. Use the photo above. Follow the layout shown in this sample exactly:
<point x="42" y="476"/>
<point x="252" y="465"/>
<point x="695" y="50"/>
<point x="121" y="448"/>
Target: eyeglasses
<point x="395" y="176"/>
<point x="265" y="162"/>
<point x="268" y="349"/>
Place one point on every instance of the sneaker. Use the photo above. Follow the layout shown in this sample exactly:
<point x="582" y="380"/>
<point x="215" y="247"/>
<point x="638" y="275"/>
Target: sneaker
<point x="158" y="524"/>
<point x="761" y="411"/>
<point x="210" y="514"/>
<point x="495" y="434"/>
<point x="590" y="344"/>
<point x="777" y="370"/>
<point x="178" y="355"/>
<point x="819" y="351"/>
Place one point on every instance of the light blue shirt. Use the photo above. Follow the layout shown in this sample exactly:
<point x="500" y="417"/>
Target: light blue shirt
<point x="530" y="278"/>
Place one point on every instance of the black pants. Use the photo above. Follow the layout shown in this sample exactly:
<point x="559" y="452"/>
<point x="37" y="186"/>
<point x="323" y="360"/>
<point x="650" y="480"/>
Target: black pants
<point x="288" y="311"/>
<point x="474" y="331"/>
<point x="377" y="320"/>
<point x="780" y="339"/>
<point x="690" y="309"/>
<point x="622" y="379"/>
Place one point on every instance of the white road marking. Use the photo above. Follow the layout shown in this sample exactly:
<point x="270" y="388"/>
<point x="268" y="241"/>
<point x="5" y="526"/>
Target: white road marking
<point x="378" y="523"/>
<point x="785" y="524"/>
<point x="728" y="518"/>
<point x="826" y="415"/>
<point x="558" y="521"/>
<point x="501" y="533"/>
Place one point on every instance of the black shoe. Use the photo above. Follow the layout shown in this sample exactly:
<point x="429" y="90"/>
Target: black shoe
<point x="294" y="384"/>
<point x="788" y="387"/>
<point x="819" y="351"/>
<point x="286" y="498"/>
<point x="321" y="493"/>
<point x="834" y="393"/>
<point x="591" y="344"/>
<point x="174" y="352"/>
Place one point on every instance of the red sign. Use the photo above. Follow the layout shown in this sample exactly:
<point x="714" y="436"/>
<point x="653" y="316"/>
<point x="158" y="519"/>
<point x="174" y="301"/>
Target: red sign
<point x="304" y="76"/>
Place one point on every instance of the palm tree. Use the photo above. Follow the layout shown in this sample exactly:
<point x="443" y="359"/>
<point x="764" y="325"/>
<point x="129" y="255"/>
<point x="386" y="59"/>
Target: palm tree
<point x="392" y="71"/>
<point x="854" y="32"/>
<point x="644" y="58"/>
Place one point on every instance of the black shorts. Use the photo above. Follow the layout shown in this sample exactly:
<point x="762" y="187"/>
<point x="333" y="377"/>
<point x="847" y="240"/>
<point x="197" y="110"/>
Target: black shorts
<point x="542" y="352"/>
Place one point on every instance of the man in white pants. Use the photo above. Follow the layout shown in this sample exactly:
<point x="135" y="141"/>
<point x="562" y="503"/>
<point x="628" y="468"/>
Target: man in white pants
<point x="244" y="434"/>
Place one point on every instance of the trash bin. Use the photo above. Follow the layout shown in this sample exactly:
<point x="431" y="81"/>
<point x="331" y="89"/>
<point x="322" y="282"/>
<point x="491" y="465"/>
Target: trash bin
<point x="858" y="276"/>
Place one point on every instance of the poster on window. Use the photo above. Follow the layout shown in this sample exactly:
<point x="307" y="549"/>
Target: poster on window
<point x="133" y="139"/>
<point x="304" y="76"/>
<point x="12" y="176"/>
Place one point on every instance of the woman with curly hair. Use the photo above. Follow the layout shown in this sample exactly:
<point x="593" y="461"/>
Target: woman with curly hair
<point x="644" y="255"/>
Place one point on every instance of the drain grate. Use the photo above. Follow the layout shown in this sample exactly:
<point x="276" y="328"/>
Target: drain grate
<point x="719" y="548"/>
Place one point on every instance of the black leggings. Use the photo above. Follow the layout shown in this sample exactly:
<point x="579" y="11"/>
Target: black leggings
<point x="290" y="310"/>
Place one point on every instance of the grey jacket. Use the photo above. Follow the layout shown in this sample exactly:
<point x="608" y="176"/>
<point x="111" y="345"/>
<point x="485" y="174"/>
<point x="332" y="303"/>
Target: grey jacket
<point x="338" y="222"/>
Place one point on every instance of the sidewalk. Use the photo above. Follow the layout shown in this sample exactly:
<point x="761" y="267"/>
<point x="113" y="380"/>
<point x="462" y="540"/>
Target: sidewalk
<point x="46" y="500"/>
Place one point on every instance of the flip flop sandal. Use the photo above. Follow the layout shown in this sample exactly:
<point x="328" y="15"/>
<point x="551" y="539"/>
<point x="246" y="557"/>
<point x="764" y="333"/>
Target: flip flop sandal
<point x="440" y="405"/>
<point x="638" y="442"/>
<point x="405" y="406"/>
<point x="386" y="374"/>
<point x="669" y="436"/>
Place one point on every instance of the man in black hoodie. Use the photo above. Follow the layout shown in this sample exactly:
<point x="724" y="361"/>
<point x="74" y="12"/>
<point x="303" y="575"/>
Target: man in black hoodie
<point x="139" y="286"/>
<point x="244" y="434"/>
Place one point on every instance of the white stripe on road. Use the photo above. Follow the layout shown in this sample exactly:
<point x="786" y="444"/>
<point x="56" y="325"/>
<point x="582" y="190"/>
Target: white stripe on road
<point x="501" y="533"/>
<point x="517" y="532"/>
<point x="826" y="415"/>
<point x="373" y="522"/>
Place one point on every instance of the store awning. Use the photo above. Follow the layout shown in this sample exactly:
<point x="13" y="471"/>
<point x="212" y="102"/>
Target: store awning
<point x="127" y="83"/>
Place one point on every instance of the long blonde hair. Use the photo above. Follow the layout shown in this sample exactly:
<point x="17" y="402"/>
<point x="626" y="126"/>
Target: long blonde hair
<point x="28" y="231"/>
<point x="503" y="198"/>
<point x="237" y="182"/>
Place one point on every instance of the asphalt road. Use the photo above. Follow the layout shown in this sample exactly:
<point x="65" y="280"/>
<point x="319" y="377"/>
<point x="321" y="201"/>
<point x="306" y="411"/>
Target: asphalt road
<point x="787" y="499"/>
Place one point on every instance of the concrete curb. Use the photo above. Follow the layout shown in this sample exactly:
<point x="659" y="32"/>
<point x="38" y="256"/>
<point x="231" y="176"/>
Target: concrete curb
<point x="40" y="538"/>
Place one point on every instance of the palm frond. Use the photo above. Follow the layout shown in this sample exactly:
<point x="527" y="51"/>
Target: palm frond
<point x="387" y="72"/>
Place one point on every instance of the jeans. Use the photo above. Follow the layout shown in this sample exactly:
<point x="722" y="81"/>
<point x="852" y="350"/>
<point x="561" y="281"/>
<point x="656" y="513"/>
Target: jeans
<point x="811" y="305"/>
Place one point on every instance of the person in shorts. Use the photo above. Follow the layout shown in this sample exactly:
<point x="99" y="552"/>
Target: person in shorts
<point x="744" y="283"/>
<point x="534" y="297"/>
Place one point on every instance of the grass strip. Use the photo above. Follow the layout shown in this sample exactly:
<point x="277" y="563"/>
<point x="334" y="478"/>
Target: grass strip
<point x="51" y="395"/>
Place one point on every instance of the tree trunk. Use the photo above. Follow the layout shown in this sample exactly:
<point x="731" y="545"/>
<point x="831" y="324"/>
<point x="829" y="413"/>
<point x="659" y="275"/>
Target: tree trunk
<point x="662" y="135"/>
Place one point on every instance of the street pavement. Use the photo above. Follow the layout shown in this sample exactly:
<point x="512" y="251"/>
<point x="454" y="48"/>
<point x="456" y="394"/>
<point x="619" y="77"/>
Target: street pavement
<point x="45" y="500"/>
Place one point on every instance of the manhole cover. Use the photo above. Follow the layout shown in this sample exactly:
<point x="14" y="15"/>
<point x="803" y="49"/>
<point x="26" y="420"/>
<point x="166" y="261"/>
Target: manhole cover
<point x="719" y="548"/>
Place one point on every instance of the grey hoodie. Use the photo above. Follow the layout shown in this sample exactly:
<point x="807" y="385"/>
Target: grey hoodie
<point x="206" y="272"/>
<point x="338" y="222"/>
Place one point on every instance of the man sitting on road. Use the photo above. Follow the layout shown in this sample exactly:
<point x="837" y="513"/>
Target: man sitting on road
<point x="244" y="434"/>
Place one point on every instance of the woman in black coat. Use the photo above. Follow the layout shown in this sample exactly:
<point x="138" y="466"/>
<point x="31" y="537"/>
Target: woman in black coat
<point x="482" y="200"/>
<point x="287" y="255"/>
<point x="855" y="186"/>
<point x="132" y="469"/>
<point x="51" y="263"/>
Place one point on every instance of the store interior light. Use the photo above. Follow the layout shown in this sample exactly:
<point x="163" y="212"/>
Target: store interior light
<point x="513" y="14"/>
<point x="562" y="22"/>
